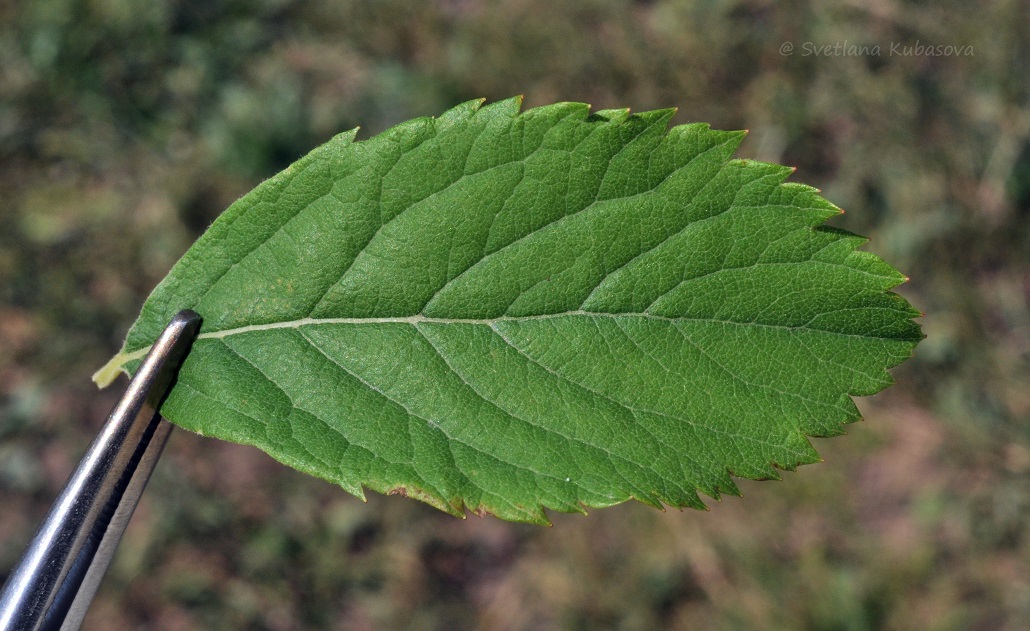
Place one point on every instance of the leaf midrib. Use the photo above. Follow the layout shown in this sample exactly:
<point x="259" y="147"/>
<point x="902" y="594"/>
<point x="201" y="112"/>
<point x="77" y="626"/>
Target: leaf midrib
<point x="417" y="319"/>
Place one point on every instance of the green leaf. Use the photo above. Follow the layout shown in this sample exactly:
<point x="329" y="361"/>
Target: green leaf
<point x="507" y="312"/>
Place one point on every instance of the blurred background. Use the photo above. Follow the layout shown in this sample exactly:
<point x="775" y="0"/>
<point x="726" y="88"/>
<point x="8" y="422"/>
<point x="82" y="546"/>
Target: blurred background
<point x="126" y="127"/>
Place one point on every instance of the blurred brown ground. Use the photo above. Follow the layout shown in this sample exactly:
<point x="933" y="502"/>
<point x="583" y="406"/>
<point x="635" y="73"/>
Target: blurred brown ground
<point x="126" y="127"/>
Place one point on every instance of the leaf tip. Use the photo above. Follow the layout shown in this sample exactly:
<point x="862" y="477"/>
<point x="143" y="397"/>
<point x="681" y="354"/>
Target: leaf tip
<point x="737" y="134"/>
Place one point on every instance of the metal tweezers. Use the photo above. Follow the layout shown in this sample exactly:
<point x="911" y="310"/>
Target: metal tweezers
<point x="53" y="584"/>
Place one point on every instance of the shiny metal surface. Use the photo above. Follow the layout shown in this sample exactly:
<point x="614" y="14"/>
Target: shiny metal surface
<point x="56" y="578"/>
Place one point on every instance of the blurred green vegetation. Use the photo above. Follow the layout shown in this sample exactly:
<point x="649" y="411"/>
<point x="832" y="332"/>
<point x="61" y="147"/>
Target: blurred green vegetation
<point x="126" y="127"/>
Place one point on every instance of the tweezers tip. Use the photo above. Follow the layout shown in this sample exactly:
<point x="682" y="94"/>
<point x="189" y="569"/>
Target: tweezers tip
<point x="185" y="321"/>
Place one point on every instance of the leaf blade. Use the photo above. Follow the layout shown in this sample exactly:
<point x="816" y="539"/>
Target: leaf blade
<point x="508" y="312"/>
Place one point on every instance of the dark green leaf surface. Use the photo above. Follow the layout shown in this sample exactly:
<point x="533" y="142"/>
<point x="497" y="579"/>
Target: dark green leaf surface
<point x="507" y="312"/>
